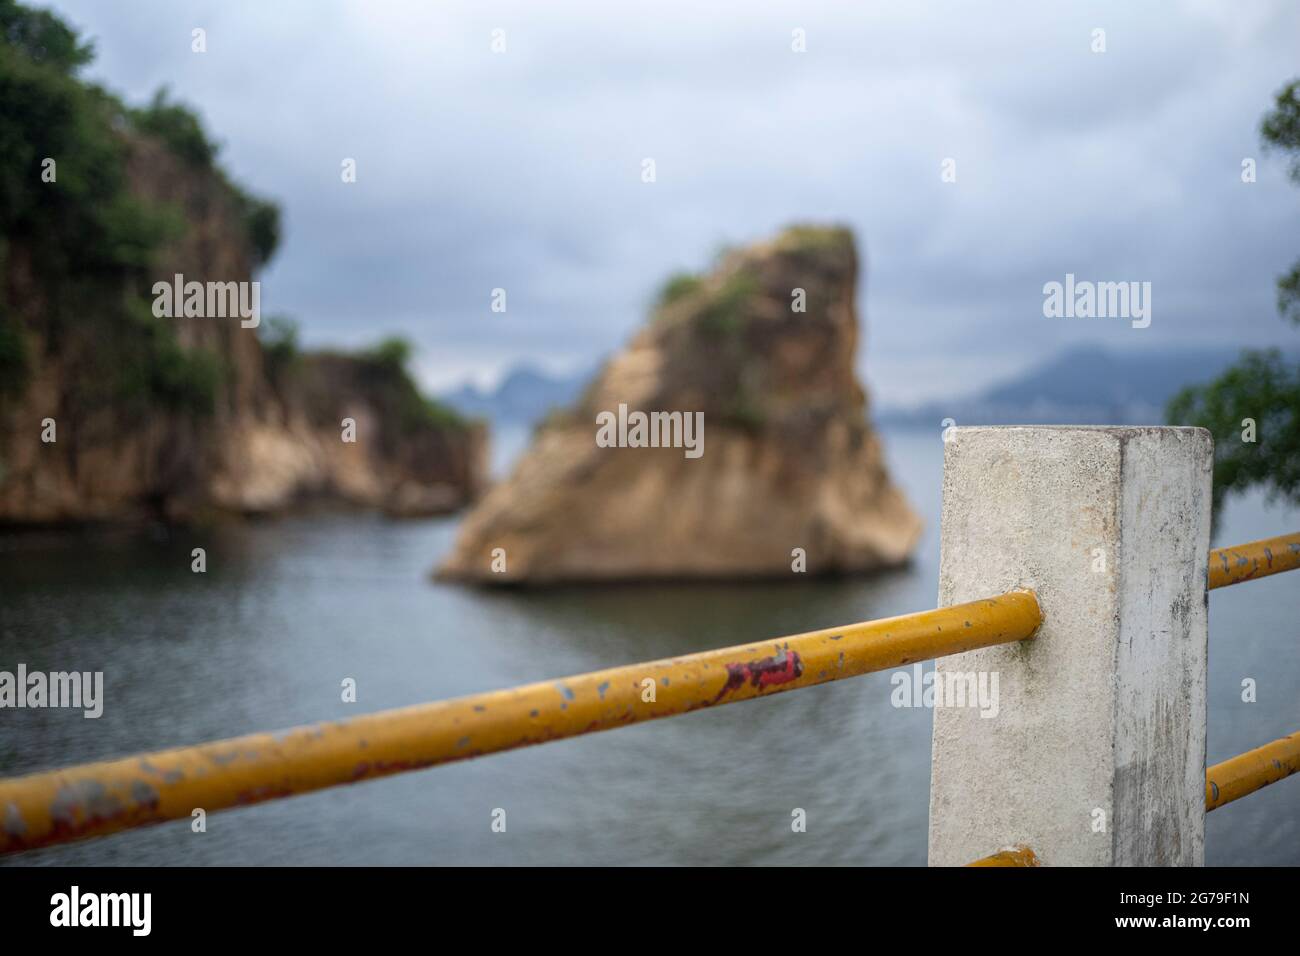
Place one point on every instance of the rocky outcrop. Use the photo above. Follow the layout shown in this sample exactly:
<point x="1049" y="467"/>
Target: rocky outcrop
<point x="130" y="439"/>
<point x="788" y="459"/>
<point x="411" y="458"/>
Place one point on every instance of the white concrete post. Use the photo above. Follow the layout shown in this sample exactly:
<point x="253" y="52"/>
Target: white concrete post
<point x="1096" y="752"/>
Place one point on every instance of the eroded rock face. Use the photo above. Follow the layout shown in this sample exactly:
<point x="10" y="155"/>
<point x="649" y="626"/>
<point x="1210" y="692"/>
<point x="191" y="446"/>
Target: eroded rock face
<point x="270" y="441"/>
<point x="402" y="462"/>
<point x="788" y="459"/>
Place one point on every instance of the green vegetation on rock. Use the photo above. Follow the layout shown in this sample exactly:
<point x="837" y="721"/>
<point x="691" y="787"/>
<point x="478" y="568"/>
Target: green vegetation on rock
<point x="744" y="411"/>
<point x="70" y="227"/>
<point x="14" y="361"/>
<point x="816" y="239"/>
<point x="724" y="312"/>
<point x="679" y="286"/>
<point x="155" y="372"/>
<point x="177" y="127"/>
<point x="386" y="366"/>
<point x="279" y="335"/>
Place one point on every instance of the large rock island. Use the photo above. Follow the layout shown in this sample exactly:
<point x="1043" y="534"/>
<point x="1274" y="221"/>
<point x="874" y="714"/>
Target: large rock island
<point x="761" y="352"/>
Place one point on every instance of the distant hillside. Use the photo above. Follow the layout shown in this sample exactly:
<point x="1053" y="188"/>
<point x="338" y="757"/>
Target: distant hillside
<point x="524" y="396"/>
<point x="1082" y="385"/>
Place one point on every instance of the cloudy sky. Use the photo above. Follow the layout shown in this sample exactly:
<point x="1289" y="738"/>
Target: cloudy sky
<point x="522" y="169"/>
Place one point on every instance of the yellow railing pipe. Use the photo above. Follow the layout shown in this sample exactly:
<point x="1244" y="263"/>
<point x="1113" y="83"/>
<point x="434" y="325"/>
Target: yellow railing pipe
<point x="1018" y="855"/>
<point x="1257" y="559"/>
<point x="1224" y="782"/>
<point x="61" y="805"/>
<point x="1251" y="771"/>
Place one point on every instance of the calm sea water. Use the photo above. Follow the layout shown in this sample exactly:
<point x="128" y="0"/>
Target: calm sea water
<point x="288" y="608"/>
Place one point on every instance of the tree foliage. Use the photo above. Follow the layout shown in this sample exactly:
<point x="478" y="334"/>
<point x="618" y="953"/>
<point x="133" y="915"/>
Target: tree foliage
<point x="1260" y="394"/>
<point x="178" y="126"/>
<point x="1263" y="388"/>
<point x="42" y="37"/>
<point x="69" y="222"/>
<point x="1280" y="130"/>
<point x="390" y="379"/>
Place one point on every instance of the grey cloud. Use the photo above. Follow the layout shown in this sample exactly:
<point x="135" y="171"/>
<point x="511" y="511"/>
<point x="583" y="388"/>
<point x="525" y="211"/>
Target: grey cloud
<point x="522" y="170"/>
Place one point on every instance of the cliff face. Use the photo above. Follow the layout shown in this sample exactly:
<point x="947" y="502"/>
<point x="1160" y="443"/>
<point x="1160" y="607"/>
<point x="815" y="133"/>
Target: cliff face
<point x="260" y="442"/>
<point x="788" y="460"/>
<point x="408" y="458"/>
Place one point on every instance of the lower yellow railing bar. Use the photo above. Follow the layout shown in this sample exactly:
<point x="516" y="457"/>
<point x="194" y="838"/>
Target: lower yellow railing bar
<point x="61" y="805"/>
<point x="1258" y="559"/>
<point x="1018" y="855"/>
<point x="1251" y="771"/>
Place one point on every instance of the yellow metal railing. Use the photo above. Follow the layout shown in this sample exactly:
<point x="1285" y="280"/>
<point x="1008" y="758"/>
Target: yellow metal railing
<point x="1231" y="780"/>
<point x="94" y="799"/>
<point x="1257" y="559"/>
<point x="58" y="806"/>
<point x="1251" y="771"/>
<point x="1019" y="855"/>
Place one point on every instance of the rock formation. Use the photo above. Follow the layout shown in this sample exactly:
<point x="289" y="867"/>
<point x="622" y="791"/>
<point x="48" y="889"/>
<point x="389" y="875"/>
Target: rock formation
<point x="184" y="417"/>
<point x="764" y="348"/>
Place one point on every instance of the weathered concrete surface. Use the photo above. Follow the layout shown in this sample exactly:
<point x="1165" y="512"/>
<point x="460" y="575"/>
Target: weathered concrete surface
<point x="1102" y="715"/>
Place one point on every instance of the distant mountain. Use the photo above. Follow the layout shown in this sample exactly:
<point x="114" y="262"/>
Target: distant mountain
<point x="1084" y="385"/>
<point x="523" y="397"/>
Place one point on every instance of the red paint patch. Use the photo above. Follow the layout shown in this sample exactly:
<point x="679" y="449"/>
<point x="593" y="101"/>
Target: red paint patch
<point x="770" y="671"/>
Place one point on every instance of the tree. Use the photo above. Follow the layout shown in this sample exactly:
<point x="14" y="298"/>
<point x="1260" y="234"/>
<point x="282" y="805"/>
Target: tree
<point x="87" y="239"/>
<point x="43" y="38"/>
<point x="1253" y="408"/>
